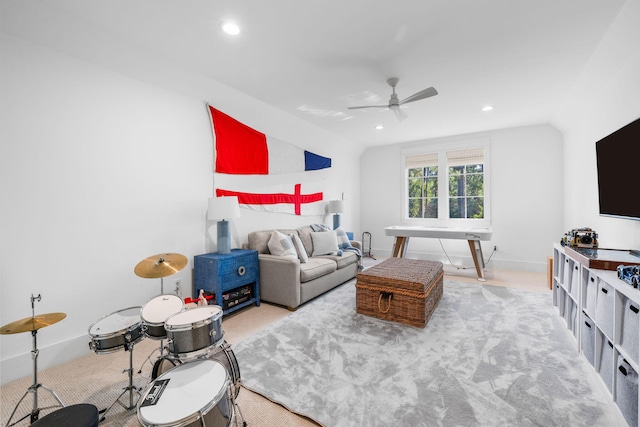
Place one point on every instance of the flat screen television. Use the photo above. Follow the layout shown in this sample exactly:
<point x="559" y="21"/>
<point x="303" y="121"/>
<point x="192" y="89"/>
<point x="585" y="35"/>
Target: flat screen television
<point x="618" y="158"/>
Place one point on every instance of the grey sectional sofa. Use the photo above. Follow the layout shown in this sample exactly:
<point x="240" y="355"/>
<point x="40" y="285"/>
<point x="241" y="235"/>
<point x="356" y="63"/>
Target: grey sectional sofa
<point x="289" y="282"/>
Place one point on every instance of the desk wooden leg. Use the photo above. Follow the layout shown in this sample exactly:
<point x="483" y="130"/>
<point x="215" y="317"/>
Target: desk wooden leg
<point x="478" y="259"/>
<point x="400" y="244"/>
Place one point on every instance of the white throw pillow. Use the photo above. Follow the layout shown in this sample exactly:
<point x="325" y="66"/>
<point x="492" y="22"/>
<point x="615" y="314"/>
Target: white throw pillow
<point x="324" y="243"/>
<point x="280" y="244"/>
<point x="302" y="252"/>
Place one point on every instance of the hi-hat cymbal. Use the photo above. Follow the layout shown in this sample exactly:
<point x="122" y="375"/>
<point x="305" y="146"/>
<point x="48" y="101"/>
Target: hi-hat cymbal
<point x="29" y="324"/>
<point x="160" y="265"/>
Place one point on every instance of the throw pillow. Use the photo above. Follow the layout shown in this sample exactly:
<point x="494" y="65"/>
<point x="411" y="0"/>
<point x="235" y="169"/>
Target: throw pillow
<point x="280" y="244"/>
<point x="343" y="239"/>
<point x="324" y="243"/>
<point x="302" y="252"/>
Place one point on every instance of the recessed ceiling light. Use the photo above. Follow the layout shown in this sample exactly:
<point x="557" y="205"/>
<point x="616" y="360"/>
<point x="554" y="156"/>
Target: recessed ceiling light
<point x="487" y="108"/>
<point x="230" y="28"/>
<point x="379" y="127"/>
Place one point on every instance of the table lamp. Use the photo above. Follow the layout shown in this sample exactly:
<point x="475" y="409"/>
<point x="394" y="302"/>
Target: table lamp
<point x="222" y="209"/>
<point x="336" y="207"/>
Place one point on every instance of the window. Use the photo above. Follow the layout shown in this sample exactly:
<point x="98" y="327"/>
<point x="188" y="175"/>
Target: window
<point x="466" y="183"/>
<point x="447" y="184"/>
<point x="422" y="171"/>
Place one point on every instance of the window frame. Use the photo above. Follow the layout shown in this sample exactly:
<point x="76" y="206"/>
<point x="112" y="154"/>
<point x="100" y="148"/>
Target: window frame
<point x="443" y="219"/>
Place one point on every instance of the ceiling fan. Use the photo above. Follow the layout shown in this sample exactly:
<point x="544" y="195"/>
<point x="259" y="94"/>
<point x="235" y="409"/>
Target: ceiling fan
<point x="395" y="103"/>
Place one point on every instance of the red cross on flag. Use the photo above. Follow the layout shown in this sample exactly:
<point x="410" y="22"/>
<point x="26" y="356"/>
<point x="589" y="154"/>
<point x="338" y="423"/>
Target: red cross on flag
<point x="295" y="200"/>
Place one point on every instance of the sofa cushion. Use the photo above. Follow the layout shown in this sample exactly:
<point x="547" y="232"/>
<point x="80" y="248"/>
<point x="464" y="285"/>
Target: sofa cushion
<point x="281" y="244"/>
<point x="347" y="258"/>
<point x="316" y="267"/>
<point x="324" y="243"/>
<point x="300" y="249"/>
<point x="305" y="235"/>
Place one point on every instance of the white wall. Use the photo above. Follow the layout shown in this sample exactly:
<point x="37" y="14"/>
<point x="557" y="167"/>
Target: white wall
<point x="526" y="198"/>
<point x="99" y="170"/>
<point x="605" y="98"/>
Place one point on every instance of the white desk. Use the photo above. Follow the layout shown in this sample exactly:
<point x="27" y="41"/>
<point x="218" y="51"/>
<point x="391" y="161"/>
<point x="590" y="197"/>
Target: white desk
<point x="471" y="235"/>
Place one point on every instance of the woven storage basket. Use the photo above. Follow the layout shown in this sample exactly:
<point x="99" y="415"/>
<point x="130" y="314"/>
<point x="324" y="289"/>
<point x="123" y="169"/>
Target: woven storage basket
<point x="400" y="290"/>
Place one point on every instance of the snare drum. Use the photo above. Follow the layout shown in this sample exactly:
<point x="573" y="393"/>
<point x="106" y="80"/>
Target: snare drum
<point x="191" y="333"/>
<point x="192" y="394"/>
<point x="155" y="311"/>
<point x="114" y="331"/>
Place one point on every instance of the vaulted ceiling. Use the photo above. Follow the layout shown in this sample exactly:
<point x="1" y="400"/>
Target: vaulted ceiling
<point x="313" y="59"/>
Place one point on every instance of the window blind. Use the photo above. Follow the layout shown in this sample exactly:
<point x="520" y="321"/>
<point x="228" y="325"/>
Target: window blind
<point x="471" y="156"/>
<point x="421" y="160"/>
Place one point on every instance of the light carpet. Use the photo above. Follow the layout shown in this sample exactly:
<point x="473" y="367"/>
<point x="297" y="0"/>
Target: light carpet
<point x="489" y="356"/>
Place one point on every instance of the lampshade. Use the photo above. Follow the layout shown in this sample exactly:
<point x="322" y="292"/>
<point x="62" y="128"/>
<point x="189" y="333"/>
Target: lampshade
<point x="336" y="206"/>
<point x="223" y="208"/>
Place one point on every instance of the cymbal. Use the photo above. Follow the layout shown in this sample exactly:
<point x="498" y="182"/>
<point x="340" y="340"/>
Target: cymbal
<point x="160" y="265"/>
<point x="29" y="324"/>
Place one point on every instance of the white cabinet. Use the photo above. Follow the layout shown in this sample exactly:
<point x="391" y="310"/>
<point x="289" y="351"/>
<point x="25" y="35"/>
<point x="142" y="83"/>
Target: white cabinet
<point x="601" y="311"/>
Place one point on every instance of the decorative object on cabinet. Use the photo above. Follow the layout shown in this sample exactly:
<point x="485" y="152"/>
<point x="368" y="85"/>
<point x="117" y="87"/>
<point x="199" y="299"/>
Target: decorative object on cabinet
<point x="630" y="274"/>
<point x="580" y="237"/>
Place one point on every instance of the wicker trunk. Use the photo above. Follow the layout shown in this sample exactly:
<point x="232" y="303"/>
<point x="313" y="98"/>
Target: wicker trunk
<point x="401" y="290"/>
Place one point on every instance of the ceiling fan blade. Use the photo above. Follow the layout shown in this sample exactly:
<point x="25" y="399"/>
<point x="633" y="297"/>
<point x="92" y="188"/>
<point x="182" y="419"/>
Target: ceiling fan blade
<point x="400" y="115"/>
<point x="368" y="106"/>
<point x="426" y="93"/>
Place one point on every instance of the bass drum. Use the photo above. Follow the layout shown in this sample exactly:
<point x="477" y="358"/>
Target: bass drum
<point x="193" y="394"/>
<point x="223" y="354"/>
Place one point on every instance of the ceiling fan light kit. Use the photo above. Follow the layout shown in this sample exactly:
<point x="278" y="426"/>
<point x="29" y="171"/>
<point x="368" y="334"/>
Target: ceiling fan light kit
<point x="394" y="102"/>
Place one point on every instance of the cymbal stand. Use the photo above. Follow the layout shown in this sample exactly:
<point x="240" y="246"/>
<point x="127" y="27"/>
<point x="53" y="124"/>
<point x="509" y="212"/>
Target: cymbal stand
<point x="33" y="388"/>
<point x="130" y="388"/>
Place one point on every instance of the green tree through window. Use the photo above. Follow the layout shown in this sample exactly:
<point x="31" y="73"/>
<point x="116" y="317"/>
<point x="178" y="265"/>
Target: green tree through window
<point x="466" y="191"/>
<point x="423" y="192"/>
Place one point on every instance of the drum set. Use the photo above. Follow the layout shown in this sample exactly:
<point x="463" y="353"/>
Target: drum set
<point x="195" y="379"/>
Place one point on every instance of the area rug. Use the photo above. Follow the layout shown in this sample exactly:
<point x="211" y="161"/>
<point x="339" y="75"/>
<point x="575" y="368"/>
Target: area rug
<point x="489" y="356"/>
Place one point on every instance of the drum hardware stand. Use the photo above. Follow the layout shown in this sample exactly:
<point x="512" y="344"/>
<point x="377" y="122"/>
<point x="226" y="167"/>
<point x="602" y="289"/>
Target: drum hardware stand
<point x="35" y="412"/>
<point x="130" y="388"/>
<point x="236" y="407"/>
<point x="148" y="359"/>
